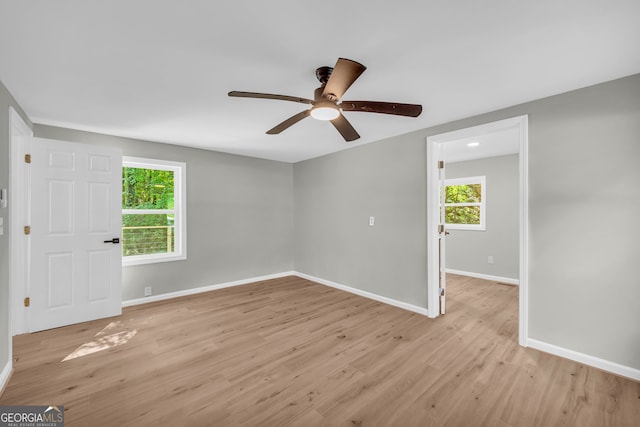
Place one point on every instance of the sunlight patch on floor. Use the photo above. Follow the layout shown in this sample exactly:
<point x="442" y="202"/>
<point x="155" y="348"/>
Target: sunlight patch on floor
<point x="103" y="341"/>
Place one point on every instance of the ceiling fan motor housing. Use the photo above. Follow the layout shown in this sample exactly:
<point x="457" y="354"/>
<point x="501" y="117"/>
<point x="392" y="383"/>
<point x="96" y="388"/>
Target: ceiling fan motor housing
<point x="319" y="95"/>
<point x="323" y="74"/>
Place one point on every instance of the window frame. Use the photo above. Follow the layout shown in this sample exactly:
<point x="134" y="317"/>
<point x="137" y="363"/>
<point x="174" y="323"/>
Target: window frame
<point x="179" y="211"/>
<point x="482" y="180"/>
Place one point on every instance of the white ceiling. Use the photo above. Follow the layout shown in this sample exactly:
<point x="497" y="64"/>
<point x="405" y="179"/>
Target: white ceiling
<point x="499" y="142"/>
<point x="160" y="70"/>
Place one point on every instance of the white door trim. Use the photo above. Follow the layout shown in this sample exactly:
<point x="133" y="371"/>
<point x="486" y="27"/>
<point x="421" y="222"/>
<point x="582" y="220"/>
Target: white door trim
<point x="20" y="137"/>
<point x="433" y="218"/>
<point x="434" y="142"/>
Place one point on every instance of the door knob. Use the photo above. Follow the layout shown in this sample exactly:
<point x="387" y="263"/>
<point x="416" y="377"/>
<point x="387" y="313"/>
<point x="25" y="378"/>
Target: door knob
<point x="115" y="240"/>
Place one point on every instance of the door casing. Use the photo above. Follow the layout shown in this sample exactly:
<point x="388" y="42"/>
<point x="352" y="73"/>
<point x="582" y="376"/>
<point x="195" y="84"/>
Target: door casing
<point x="434" y="146"/>
<point x="19" y="211"/>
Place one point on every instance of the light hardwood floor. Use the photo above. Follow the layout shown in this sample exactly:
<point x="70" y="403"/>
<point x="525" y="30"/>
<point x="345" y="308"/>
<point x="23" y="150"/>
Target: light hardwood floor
<point x="290" y="352"/>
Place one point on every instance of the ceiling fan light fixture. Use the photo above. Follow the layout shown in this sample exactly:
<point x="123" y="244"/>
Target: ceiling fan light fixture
<point x="327" y="103"/>
<point x="325" y="111"/>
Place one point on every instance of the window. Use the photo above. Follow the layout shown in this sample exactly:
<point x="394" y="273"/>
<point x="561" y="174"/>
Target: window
<point x="465" y="200"/>
<point x="153" y="211"/>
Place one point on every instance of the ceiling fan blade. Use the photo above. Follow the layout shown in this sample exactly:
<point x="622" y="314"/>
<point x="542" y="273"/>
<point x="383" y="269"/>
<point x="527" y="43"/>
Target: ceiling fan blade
<point x="235" y="93"/>
<point x="289" y="122"/>
<point x="344" y="127"/>
<point x="410" y="110"/>
<point x="342" y="77"/>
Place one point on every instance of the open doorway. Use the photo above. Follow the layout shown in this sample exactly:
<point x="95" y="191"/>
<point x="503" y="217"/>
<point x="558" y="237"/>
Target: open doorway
<point x="505" y="140"/>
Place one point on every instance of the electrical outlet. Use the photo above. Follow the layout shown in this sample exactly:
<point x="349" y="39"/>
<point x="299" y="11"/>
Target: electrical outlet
<point x="490" y="259"/>
<point x="147" y="291"/>
<point x="372" y="220"/>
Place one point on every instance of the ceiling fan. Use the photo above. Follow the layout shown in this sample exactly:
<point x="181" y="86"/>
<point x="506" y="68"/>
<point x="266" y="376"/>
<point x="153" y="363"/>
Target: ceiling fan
<point x="327" y="101"/>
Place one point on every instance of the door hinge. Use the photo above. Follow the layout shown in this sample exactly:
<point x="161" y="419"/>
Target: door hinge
<point x="440" y="164"/>
<point x="27" y="229"/>
<point x="27" y="302"/>
<point x="441" y="228"/>
<point x="27" y="158"/>
<point x="441" y="291"/>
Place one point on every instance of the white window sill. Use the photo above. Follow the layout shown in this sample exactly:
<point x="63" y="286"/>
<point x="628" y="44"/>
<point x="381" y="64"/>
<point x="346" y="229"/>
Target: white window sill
<point x="151" y="259"/>
<point x="467" y="227"/>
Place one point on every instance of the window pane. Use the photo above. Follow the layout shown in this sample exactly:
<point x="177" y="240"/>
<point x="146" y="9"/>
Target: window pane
<point x="466" y="193"/>
<point x="147" y="234"/>
<point x="147" y="188"/>
<point x="462" y="214"/>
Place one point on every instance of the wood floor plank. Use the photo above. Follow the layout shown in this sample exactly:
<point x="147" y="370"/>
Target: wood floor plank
<point x="290" y="352"/>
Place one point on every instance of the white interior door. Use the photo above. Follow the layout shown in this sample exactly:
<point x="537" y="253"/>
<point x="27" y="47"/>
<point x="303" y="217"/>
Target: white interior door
<point x="76" y="265"/>
<point x="442" y="234"/>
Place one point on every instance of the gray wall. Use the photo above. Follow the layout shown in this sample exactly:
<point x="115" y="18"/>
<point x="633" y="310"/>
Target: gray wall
<point x="584" y="199"/>
<point x="239" y="215"/>
<point x="335" y="196"/>
<point x="468" y="250"/>
<point x="6" y="101"/>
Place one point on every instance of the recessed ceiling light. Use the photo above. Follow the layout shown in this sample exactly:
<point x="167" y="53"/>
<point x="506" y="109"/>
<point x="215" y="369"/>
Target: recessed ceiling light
<point x="473" y="144"/>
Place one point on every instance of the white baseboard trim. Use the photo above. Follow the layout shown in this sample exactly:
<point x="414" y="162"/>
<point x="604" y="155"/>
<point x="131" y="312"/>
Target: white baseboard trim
<point x="485" y="276"/>
<point x="376" y="297"/>
<point x="201" y="289"/>
<point x="596" y="362"/>
<point x="5" y="375"/>
<point x="193" y="291"/>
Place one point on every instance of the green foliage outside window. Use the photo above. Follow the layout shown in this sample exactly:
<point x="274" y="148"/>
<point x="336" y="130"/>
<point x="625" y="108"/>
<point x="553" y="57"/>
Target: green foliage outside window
<point x="147" y="188"/>
<point x="147" y="233"/>
<point x="462" y="215"/>
<point x="461" y="196"/>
